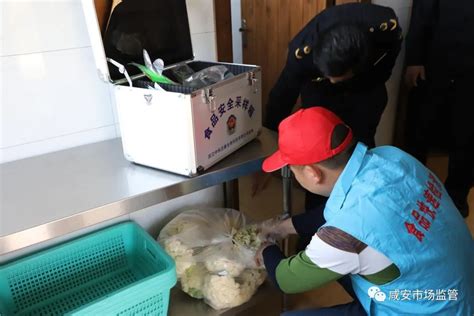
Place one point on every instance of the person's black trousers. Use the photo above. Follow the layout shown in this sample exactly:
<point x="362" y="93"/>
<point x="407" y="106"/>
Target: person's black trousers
<point x="441" y="116"/>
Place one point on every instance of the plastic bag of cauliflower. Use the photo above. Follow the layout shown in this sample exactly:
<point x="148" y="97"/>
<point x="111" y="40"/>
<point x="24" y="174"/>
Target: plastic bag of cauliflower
<point x="214" y="251"/>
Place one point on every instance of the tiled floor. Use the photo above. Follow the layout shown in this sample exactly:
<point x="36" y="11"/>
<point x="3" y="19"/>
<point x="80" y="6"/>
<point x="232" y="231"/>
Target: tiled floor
<point x="268" y="203"/>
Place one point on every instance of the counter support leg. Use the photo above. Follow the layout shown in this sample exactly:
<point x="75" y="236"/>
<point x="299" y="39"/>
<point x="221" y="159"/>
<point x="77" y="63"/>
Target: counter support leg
<point x="231" y="194"/>
<point x="286" y="180"/>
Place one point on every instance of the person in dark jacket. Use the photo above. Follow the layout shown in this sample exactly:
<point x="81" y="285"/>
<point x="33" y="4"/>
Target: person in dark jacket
<point x="440" y="60"/>
<point x="341" y="60"/>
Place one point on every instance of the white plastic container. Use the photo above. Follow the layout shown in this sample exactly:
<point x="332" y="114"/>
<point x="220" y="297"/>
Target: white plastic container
<point x="181" y="130"/>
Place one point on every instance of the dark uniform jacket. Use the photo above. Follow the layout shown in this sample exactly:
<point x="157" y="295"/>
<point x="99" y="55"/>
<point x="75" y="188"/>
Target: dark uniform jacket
<point x="440" y="113"/>
<point x="441" y="37"/>
<point x="359" y="101"/>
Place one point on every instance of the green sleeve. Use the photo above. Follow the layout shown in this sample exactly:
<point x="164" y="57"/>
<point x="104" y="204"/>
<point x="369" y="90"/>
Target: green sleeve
<point x="299" y="274"/>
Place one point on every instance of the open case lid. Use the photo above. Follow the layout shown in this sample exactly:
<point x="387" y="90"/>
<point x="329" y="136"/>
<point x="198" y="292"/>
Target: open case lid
<point x="159" y="26"/>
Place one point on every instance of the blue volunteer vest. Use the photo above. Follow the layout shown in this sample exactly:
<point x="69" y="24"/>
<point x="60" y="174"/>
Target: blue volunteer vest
<point x="390" y="201"/>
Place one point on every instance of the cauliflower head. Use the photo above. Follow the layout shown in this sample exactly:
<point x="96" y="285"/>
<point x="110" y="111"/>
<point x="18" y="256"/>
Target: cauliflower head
<point x="221" y="291"/>
<point x="249" y="281"/>
<point x="214" y="256"/>
<point x="182" y="255"/>
<point x="248" y="237"/>
<point x="192" y="281"/>
<point x="224" y="266"/>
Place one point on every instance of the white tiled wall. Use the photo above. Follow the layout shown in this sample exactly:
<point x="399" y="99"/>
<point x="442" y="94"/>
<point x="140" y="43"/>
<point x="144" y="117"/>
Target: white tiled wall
<point x="152" y="219"/>
<point x="203" y="29"/>
<point x="51" y="97"/>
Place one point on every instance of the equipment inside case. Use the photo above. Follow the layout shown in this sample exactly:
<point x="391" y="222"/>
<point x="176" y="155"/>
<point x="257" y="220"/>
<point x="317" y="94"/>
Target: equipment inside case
<point x="161" y="27"/>
<point x="207" y="121"/>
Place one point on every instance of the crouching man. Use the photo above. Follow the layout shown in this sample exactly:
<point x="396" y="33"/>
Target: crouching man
<point x="391" y="228"/>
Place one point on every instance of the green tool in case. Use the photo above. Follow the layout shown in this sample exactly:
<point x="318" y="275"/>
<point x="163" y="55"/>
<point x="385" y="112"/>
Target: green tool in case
<point x="152" y="75"/>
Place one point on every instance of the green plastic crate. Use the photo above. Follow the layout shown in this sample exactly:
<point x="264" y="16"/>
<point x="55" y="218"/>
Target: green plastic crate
<point x="119" y="270"/>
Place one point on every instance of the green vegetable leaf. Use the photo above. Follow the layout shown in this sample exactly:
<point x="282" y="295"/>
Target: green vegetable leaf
<point x="153" y="76"/>
<point x="247" y="237"/>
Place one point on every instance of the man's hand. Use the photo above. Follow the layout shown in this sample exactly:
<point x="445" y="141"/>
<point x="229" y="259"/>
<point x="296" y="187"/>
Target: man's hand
<point x="275" y="229"/>
<point x="412" y="74"/>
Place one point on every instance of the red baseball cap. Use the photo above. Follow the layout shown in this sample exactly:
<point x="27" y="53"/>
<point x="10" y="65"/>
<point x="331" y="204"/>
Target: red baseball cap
<point x="305" y="138"/>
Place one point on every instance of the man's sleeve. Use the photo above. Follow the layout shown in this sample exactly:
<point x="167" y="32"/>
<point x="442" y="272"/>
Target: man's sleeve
<point x="308" y="223"/>
<point x="387" y="38"/>
<point x="297" y="273"/>
<point x="385" y="62"/>
<point x="419" y="33"/>
<point x="298" y="69"/>
<point x="318" y="265"/>
<point x="284" y="94"/>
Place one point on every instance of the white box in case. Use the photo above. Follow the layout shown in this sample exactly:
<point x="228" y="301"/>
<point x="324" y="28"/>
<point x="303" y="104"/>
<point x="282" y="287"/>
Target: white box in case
<point x="182" y="129"/>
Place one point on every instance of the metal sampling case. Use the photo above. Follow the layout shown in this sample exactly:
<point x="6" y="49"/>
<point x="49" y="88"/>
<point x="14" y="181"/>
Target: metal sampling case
<point x="178" y="128"/>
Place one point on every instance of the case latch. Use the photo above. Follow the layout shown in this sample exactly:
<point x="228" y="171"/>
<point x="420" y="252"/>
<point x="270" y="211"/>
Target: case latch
<point x="121" y="69"/>
<point x="252" y="78"/>
<point x="209" y="99"/>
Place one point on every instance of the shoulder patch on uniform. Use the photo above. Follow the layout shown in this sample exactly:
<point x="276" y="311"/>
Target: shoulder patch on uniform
<point x="298" y="54"/>
<point x="393" y="24"/>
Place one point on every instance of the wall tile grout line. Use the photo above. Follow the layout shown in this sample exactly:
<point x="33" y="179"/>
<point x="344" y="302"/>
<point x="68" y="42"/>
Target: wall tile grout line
<point x="47" y="51"/>
<point x="60" y="136"/>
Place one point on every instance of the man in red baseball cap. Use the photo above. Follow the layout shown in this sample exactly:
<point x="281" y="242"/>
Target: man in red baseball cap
<point x="385" y="232"/>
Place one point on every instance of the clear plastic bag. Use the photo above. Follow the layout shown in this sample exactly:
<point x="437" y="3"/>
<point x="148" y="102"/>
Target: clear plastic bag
<point x="208" y="76"/>
<point x="214" y="251"/>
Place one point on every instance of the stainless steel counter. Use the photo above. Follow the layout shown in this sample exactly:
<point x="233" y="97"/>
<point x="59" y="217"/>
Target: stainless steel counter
<point x="55" y="194"/>
<point x="266" y="301"/>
